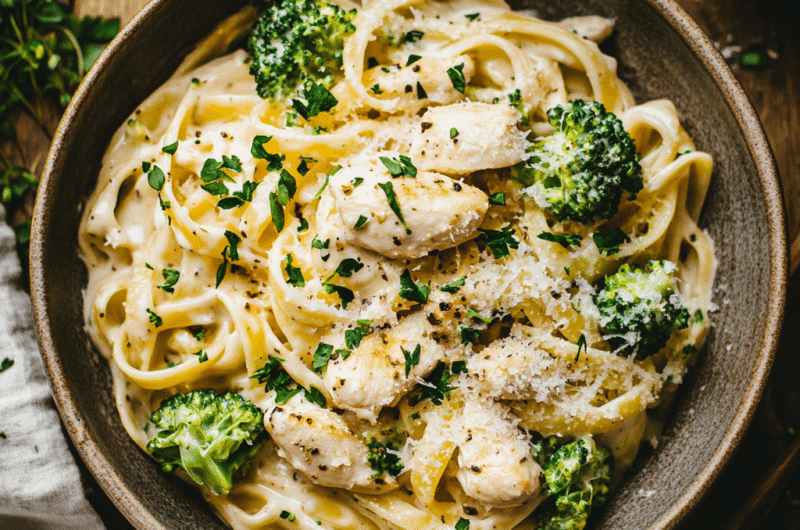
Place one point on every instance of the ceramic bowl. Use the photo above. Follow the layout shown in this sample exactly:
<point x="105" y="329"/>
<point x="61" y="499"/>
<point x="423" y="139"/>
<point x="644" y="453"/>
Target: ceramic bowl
<point x="661" y="54"/>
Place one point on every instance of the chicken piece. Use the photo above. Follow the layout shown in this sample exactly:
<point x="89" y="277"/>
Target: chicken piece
<point x="431" y="74"/>
<point x="514" y="368"/>
<point x="467" y="137"/>
<point x="439" y="212"/>
<point x="374" y="374"/>
<point x="319" y="443"/>
<point x="495" y="463"/>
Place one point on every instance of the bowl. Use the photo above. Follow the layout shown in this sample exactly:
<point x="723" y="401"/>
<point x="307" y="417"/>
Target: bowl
<point x="661" y="53"/>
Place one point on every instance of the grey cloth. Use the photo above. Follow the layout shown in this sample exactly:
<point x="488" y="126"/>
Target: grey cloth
<point x="40" y="485"/>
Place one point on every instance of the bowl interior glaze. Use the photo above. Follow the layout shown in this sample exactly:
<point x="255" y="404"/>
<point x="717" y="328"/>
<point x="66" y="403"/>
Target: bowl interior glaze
<point x="661" y="54"/>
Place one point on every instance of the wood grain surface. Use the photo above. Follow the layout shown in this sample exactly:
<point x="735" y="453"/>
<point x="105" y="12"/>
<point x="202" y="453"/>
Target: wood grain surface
<point x="732" y="25"/>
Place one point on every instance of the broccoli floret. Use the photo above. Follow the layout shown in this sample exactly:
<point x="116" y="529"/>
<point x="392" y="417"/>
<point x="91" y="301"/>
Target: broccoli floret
<point x="581" y="171"/>
<point x="640" y="309"/>
<point x="295" y="40"/>
<point x="577" y="474"/>
<point x="209" y="435"/>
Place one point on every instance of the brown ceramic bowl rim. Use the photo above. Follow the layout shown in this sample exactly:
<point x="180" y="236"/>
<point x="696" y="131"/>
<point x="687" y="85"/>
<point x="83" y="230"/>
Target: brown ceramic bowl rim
<point x="748" y="122"/>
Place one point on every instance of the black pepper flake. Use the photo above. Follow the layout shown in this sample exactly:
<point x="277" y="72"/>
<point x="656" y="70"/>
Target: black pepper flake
<point x="693" y="238"/>
<point x="469" y="510"/>
<point x="426" y="125"/>
<point x="415" y="68"/>
<point x="444" y="306"/>
<point x="373" y="114"/>
<point x="396" y="241"/>
<point x="409" y="89"/>
<point x="476" y="469"/>
<point x="456" y="186"/>
<point x="555" y="294"/>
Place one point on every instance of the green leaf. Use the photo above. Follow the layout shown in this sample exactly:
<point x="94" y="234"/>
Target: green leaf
<point x="321" y="357"/>
<point x="457" y="77"/>
<point x="471" y="17"/>
<point x="155" y="319"/>
<point x="610" y="241"/>
<point x="289" y="516"/>
<point x="314" y="395"/>
<point x="211" y="171"/>
<point x="327" y="179"/>
<point x="345" y="294"/>
<point x="499" y="241"/>
<point x="215" y="188"/>
<point x="347" y="267"/>
<point x="436" y="387"/>
<point x="565" y="240"/>
<point x="303" y="225"/>
<point x="399" y="167"/>
<point x="453" y="286"/>
<point x="474" y="313"/>
<point x="362" y="220"/>
<point x="413" y="36"/>
<point x="319" y="245"/>
<point x="698" y="317"/>
<point x="463" y="524"/>
<point x="581" y="344"/>
<point x="294" y="273"/>
<point x="357" y="182"/>
<point x="248" y="188"/>
<point x="318" y="99"/>
<point x="155" y="177"/>
<point x="6" y="364"/>
<point x="412" y="358"/>
<point x="221" y="270"/>
<point x="91" y="52"/>
<point x="233" y="163"/>
<point x="353" y="337"/>
<point x="287" y="187"/>
<point x="275" y="162"/>
<point x="200" y="334"/>
<point x="388" y="190"/>
<point x="458" y="367"/>
<point x="453" y="132"/>
<point x="376" y="89"/>
<point x="303" y="167"/>
<point x="105" y="30"/>
<point x="413" y="291"/>
<point x="421" y="94"/>
<point x="229" y="203"/>
<point x="46" y="12"/>
<point x="412" y="59"/>
<point x="468" y="334"/>
<point x="233" y="245"/>
<point x="171" y="277"/>
<point x="498" y="198"/>
<point x="276" y="211"/>
<point x="171" y="148"/>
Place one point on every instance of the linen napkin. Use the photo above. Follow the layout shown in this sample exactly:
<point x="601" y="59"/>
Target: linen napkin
<point x="40" y="485"/>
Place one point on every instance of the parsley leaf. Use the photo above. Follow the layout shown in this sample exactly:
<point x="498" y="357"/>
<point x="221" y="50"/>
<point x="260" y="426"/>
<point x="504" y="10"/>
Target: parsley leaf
<point x="581" y="344"/>
<point x="457" y="77"/>
<point x="398" y="168"/>
<point x="345" y="294"/>
<point x="468" y="334"/>
<point x="609" y="242"/>
<point x="565" y="240"/>
<point x="499" y="241"/>
<point x="212" y="170"/>
<point x="413" y="291"/>
<point x="275" y="162"/>
<point x="362" y="220"/>
<point x="233" y="163"/>
<point x="155" y="319"/>
<point x="216" y="188"/>
<point x="233" y="247"/>
<point x="171" y="148"/>
<point x="289" y="516"/>
<point x="248" y="188"/>
<point x="276" y="211"/>
<point x="202" y="356"/>
<point x="384" y="458"/>
<point x="462" y="524"/>
<point x="6" y="364"/>
<point x="436" y="387"/>
<point x="412" y="59"/>
<point x="413" y="36"/>
<point x="453" y="132"/>
<point x="328" y="176"/>
<point x="474" y="313"/>
<point x="303" y="225"/>
<point x="421" y="94"/>
<point x="472" y="16"/>
<point x="287" y="187"/>
<point x="458" y="367"/>
<point x="498" y="198"/>
<point x="698" y="317"/>
<point x="321" y="356"/>
<point x="228" y="203"/>
<point x="222" y="269"/>
<point x="453" y="286"/>
<point x="318" y="99"/>
<point x="353" y="337"/>
<point x="200" y="334"/>
<point x="388" y="189"/>
<point x="302" y="168"/>
<point x="171" y="277"/>
<point x="376" y="89"/>
<point x="347" y="267"/>
<point x="412" y="358"/>
<point x="319" y="245"/>
<point x="314" y="395"/>
<point x="357" y="181"/>
<point x="155" y="177"/>
<point x="294" y="273"/>
<point x="274" y="377"/>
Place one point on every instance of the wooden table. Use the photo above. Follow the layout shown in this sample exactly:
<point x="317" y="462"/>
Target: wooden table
<point x="775" y="93"/>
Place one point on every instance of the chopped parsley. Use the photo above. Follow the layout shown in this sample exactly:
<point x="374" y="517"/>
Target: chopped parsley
<point x="357" y="181"/>
<point x="200" y="334"/>
<point x="581" y="344"/>
<point x="565" y="240"/>
<point x="698" y="317"/>
<point x="413" y="36"/>
<point x="303" y="225"/>
<point x="287" y="187"/>
<point x="468" y="334"/>
<point x="498" y="198"/>
<point x="274" y="377"/>
<point x="6" y="364"/>
<point x="156" y="179"/>
<point x="274" y="162"/>
<point x="155" y="319"/>
<point x="454" y="286"/>
<point x="318" y="99"/>
<point x="289" y="516"/>
<point x="388" y="189"/>
<point x="202" y="356"/>
<point x="321" y="356"/>
<point x="171" y="277"/>
<point x="276" y="211"/>
<point x="474" y="313"/>
<point x="314" y="395"/>
<point x="233" y="245"/>
<point x="457" y="77"/>
<point x="302" y="168"/>
<point x="384" y="458"/>
<point x="239" y="197"/>
<point x="328" y="176"/>
<point x="499" y="241"/>
<point x="458" y="367"/>
<point x="412" y="358"/>
<point x="453" y="132"/>
<point x="610" y="241"/>
<point x="294" y="274"/>
<point x="436" y="387"/>
<point x="412" y="59"/>
<point x="421" y="94"/>
<point x="462" y="524"/>
<point x="321" y="245"/>
<point x="345" y="294"/>
<point x="411" y="290"/>
<point x="472" y="16"/>
<point x="171" y="148"/>
<point x="353" y="337"/>
<point x="216" y="188"/>
<point x="362" y="220"/>
<point x="347" y="268"/>
<point x="376" y="89"/>
<point x="683" y="153"/>
<point x="399" y="167"/>
<point x="515" y="100"/>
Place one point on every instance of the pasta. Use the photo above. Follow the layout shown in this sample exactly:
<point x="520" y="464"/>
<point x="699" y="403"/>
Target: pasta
<point x="226" y="233"/>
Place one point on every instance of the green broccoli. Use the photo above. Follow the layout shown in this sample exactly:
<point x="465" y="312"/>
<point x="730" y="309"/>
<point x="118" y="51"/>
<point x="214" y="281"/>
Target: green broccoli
<point x="581" y="171"/>
<point x="209" y="435"/>
<point x="640" y="308"/>
<point x="577" y="474"/>
<point x="295" y="40"/>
